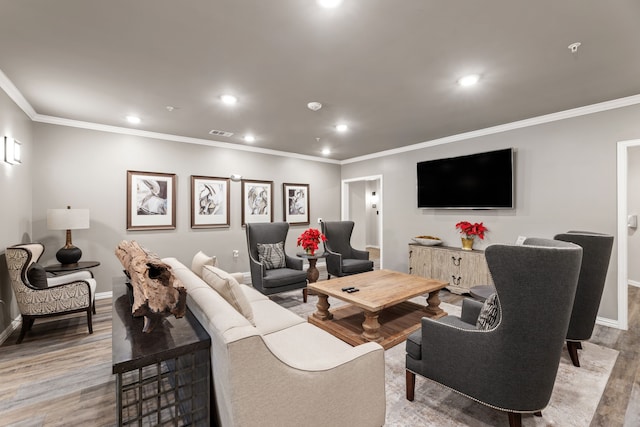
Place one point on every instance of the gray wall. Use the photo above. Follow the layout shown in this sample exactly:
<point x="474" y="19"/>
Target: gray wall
<point x="565" y="179"/>
<point x="87" y="169"/>
<point x="15" y="188"/>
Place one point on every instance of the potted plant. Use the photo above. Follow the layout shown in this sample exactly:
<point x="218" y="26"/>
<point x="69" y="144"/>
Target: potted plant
<point x="469" y="232"/>
<point x="310" y="239"/>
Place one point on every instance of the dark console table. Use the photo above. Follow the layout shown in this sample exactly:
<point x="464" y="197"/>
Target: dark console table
<point x="162" y="377"/>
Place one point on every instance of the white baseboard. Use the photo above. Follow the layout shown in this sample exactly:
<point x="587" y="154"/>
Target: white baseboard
<point x="104" y="295"/>
<point x="634" y="283"/>
<point x="15" y="324"/>
<point x="608" y="322"/>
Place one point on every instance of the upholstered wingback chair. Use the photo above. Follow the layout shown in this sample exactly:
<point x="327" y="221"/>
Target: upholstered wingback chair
<point x="512" y="365"/>
<point x="38" y="296"/>
<point x="342" y="259"/>
<point x="593" y="273"/>
<point x="272" y="270"/>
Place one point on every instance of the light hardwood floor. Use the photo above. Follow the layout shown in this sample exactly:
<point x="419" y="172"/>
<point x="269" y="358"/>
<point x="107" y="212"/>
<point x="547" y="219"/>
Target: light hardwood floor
<point x="61" y="376"/>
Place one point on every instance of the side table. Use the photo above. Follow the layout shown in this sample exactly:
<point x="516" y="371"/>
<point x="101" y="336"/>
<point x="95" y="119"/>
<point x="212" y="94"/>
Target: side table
<point x="162" y="377"/>
<point x="312" y="271"/>
<point x="65" y="268"/>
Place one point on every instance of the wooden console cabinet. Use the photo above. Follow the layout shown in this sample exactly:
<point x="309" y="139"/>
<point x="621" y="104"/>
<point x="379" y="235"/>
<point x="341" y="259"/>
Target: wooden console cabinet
<point x="462" y="269"/>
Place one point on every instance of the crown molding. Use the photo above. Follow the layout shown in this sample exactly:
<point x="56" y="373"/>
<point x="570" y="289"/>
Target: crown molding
<point x="12" y="91"/>
<point x="534" y="121"/>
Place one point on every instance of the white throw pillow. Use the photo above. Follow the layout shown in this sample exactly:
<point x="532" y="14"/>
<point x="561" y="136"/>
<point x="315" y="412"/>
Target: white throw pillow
<point x="200" y="260"/>
<point x="223" y="283"/>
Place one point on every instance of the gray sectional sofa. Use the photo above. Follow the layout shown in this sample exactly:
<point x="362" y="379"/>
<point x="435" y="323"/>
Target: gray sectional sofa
<point x="272" y="368"/>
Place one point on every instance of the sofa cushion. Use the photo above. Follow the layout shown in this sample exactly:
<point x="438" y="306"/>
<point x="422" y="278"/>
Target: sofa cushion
<point x="270" y="317"/>
<point x="200" y="260"/>
<point x="272" y="255"/>
<point x="229" y="289"/>
<point x="490" y="314"/>
<point x="37" y="276"/>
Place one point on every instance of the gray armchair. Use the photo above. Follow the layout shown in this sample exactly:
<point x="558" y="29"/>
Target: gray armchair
<point x="38" y="296"/>
<point x="273" y="280"/>
<point x="342" y="259"/>
<point x="511" y="366"/>
<point x="593" y="272"/>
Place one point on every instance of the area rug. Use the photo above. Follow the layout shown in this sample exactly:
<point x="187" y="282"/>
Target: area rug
<point x="574" y="400"/>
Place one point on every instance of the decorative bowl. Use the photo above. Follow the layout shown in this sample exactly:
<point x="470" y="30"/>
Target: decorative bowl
<point x="427" y="240"/>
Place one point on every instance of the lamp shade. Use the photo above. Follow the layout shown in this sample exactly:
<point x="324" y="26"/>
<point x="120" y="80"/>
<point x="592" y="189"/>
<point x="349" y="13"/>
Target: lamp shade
<point x="67" y="219"/>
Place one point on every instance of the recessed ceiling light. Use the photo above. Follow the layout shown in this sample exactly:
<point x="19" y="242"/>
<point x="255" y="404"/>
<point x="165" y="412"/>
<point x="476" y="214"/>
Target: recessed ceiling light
<point x="133" y="119"/>
<point x="249" y="138"/>
<point x="329" y="4"/>
<point x="229" y="99"/>
<point x="469" y="80"/>
<point x="342" y="127"/>
<point x="326" y="151"/>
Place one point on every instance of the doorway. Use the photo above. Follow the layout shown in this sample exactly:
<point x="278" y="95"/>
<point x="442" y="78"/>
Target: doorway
<point x="624" y="148"/>
<point x="362" y="203"/>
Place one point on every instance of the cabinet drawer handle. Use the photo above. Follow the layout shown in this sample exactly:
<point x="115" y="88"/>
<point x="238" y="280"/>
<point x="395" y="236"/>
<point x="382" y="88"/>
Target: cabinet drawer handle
<point x="455" y="280"/>
<point x="456" y="261"/>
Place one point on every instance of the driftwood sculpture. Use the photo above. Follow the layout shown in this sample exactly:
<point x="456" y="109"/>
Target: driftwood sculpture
<point x="156" y="291"/>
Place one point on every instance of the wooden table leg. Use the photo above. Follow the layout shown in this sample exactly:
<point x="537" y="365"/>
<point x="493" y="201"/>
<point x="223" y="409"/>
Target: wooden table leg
<point x="371" y="326"/>
<point x="322" y="308"/>
<point x="433" y="306"/>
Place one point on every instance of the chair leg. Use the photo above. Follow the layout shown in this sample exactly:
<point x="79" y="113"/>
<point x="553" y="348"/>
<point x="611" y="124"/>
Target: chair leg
<point x="94" y="307"/>
<point x="89" y="321"/>
<point x="27" y="322"/>
<point x="305" y="292"/>
<point x="538" y="414"/>
<point x="573" y="346"/>
<point x="411" y="385"/>
<point x="515" y="419"/>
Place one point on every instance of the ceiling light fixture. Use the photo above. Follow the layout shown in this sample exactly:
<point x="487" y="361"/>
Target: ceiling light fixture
<point x="133" y="119"/>
<point x="342" y="127"/>
<point x="249" y="138"/>
<point x="469" y="80"/>
<point x="229" y="99"/>
<point x="326" y="151"/>
<point x="329" y="4"/>
<point x="314" y="106"/>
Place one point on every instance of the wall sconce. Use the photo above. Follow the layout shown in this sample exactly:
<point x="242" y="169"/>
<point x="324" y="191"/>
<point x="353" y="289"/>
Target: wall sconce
<point x="68" y="219"/>
<point x="12" y="151"/>
<point x="374" y="199"/>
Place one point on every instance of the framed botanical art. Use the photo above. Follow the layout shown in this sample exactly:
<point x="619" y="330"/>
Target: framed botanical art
<point x="257" y="201"/>
<point x="295" y="199"/>
<point x="209" y="202"/>
<point x="151" y="201"/>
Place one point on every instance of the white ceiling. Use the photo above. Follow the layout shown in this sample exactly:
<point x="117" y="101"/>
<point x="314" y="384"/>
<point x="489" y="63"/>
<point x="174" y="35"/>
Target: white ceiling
<point x="388" y="68"/>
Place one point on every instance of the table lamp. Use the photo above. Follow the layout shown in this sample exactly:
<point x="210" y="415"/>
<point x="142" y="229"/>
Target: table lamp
<point x="68" y="219"/>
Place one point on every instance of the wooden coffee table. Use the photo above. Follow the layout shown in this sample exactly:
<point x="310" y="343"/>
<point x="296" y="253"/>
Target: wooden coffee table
<point x="380" y="310"/>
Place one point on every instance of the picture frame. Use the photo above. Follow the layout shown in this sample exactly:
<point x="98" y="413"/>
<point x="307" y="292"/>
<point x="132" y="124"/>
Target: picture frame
<point x="151" y="201"/>
<point x="210" y="201"/>
<point x="257" y="201"/>
<point x="295" y="203"/>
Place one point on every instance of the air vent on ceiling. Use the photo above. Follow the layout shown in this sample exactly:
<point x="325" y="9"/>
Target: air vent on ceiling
<point x="220" y="133"/>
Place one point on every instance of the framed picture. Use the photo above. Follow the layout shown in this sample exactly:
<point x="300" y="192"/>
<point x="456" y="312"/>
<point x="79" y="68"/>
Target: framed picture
<point x="209" y="202"/>
<point x="257" y="201"/>
<point x="151" y="201"/>
<point x="295" y="199"/>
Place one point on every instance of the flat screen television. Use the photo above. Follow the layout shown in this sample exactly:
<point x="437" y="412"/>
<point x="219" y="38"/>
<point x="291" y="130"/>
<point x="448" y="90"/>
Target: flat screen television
<point x="476" y="181"/>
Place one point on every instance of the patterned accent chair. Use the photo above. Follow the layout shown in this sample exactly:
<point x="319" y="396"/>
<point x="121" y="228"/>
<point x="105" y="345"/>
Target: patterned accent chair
<point x="342" y="259"/>
<point x="273" y="280"/>
<point x="596" y="254"/>
<point x="59" y="295"/>
<point x="511" y="366"/>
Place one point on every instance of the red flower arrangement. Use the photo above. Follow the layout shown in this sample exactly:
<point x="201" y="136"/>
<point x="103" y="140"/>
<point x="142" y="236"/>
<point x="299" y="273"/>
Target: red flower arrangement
<point x="471" y="230"/>
<point x="310" y="239"/>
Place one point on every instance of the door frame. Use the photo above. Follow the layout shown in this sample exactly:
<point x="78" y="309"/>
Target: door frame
<point x="344" y="208"/>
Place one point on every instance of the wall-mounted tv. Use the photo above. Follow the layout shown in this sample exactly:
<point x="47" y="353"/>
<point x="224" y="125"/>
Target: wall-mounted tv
<point x="477" y="181"/>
